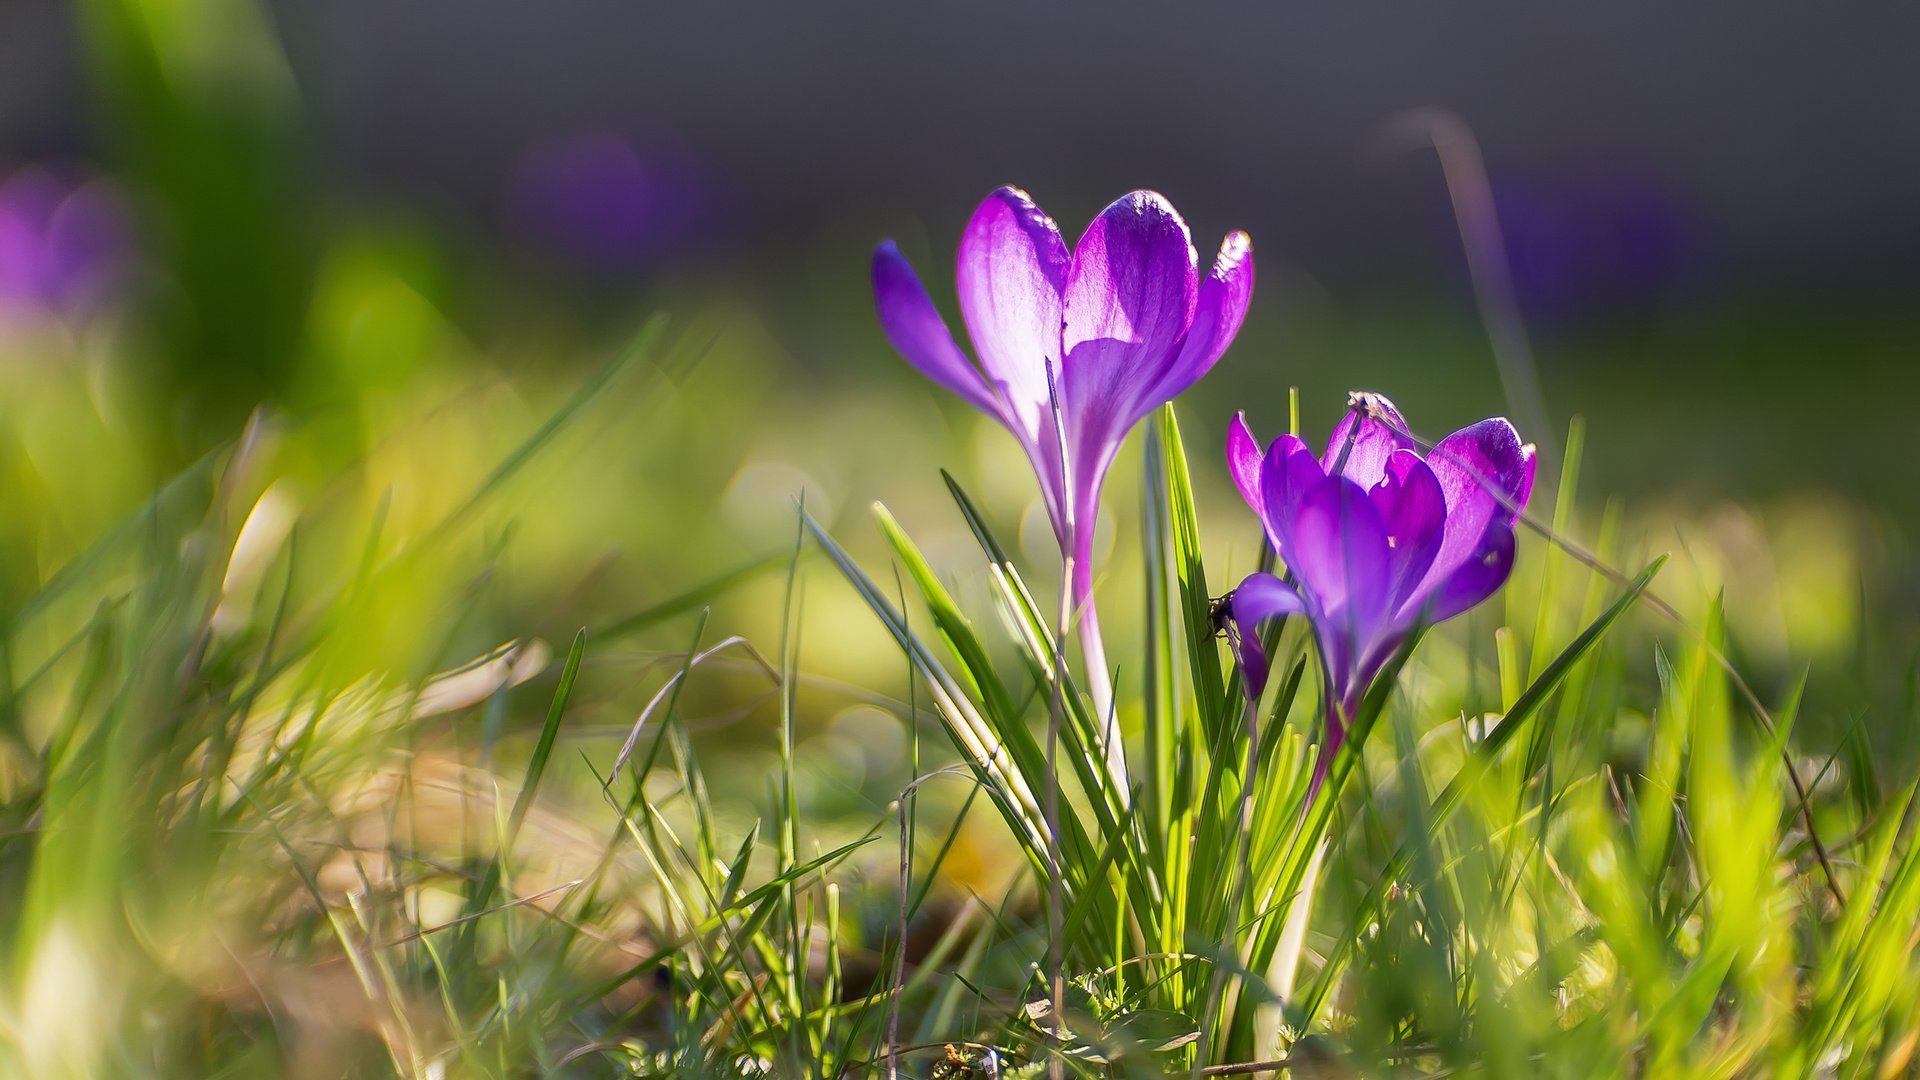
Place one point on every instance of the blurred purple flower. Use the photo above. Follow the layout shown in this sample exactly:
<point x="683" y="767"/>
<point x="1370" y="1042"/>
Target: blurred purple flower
<point x="598" y="200"/>
<point x="63" y="244"/>
<point x="1379" y="539"/>
<point x="1604" y="239"/>
<point x="1109" y="331"/>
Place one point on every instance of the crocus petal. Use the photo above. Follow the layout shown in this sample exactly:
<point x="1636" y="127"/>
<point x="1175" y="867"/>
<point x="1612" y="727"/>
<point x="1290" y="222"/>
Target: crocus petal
<point x="1337" y="549"/>
<point x="1287" y="473"/>
<point x="1010" y="272"/>
<point x="1475" y="578"/>
<point x="917" y="331"/>
<point x="1259" y="598"/>
<point x="1217" y="315"/>
<point x="1373" y="441"/>
<point x="1130" y="298"/>
<point x="1114" y="385"/>
<point x="1134" y="279"/>
<point x="1485" y="472"/>
<point x="1263" y="596"/>
<point x="1414" y="510"/>
<point x="1487" y="457"/>
<point x="1243" y="462"/>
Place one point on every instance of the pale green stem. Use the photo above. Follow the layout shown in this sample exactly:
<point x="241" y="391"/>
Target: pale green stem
<point x="1099" y="679"/>
<point x="1286" y="957"/>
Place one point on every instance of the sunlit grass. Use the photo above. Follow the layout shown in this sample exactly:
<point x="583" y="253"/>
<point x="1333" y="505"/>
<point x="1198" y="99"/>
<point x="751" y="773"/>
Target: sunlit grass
<point x="307" y="771"/>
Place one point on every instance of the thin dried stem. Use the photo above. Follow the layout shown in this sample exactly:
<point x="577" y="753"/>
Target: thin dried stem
<point x="1660" y="607"/>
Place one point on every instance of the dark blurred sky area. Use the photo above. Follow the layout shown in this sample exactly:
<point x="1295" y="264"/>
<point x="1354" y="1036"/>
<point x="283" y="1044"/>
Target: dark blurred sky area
<point x="1767" y="141"/>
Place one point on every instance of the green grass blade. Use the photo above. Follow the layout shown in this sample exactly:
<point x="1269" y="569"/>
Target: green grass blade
<point x="1205" y="674"/>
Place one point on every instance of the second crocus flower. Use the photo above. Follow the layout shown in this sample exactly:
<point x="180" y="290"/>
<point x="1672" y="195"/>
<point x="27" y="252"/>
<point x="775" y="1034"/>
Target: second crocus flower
<point x="1378" y="538"/>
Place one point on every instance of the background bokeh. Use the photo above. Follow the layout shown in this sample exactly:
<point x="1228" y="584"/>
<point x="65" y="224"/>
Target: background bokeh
<point x="1709" y="222"/>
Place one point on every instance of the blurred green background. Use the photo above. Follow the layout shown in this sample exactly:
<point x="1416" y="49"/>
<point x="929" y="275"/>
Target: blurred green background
<point x="372" y="248"/>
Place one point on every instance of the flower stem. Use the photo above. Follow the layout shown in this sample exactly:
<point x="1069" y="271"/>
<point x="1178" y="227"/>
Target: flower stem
<point x="1338" y="713"/>
<point x="1285" y="965"/>
<point x="1099" y="681"/>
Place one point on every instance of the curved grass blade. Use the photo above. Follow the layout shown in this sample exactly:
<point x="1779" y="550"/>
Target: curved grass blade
<point x="991" y="758"/>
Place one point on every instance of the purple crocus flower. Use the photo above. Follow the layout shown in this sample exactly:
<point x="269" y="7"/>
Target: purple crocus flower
<point x="1378" y="538"/>
<point x="1076" y="345"/>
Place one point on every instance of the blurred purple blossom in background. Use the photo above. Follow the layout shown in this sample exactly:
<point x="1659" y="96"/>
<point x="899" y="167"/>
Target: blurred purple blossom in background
<point x="64" y="243"/>
<point x="607" y="204"/>
<point x="1109" y="331"/>
<point x="1595" y="242"/>
<point x="1379" y="539"/>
